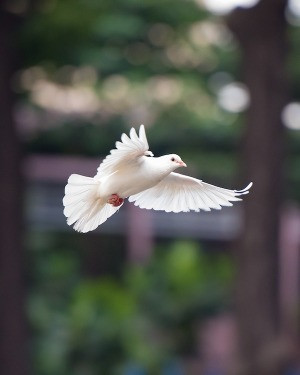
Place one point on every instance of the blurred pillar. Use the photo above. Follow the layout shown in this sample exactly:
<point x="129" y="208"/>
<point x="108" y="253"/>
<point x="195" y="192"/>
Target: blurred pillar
<point x="289" y="270"/>
<point x="261" y="32"/>
<point x="217" y="344"/>
<point x="13" y="356"/>
<point x="139" y="234"/>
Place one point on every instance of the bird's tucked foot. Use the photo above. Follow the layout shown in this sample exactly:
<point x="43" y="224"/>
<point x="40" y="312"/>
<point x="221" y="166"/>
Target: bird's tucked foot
<point x="115" y="200"/>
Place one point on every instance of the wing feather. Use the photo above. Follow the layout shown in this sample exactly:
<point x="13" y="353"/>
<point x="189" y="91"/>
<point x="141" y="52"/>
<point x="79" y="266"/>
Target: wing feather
<point x="143" y="137"/>
<point x="129" y="149"/>
<point x="180" y="193"/>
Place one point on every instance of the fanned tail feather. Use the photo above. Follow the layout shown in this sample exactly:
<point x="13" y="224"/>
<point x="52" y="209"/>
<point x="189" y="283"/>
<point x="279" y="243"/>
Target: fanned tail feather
<point x="83" y="207"/>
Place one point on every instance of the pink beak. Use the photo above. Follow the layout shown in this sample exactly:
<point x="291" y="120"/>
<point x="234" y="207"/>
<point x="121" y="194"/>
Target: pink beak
<point x="182" y="164"/>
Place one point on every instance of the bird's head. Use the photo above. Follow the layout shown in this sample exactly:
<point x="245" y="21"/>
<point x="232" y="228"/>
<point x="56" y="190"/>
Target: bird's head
<point x="172" y="161"/>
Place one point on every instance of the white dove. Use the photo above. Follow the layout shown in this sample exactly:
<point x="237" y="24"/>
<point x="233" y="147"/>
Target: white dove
<point x="131" y="171"/>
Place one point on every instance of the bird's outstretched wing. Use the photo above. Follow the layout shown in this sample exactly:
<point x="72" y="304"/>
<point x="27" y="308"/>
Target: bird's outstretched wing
<point x="128" y="150"/>
<point x="177" y="193"/>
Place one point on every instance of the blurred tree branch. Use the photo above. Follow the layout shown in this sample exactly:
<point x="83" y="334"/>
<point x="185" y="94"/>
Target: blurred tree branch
<point x="13" y="356"/>
<point x="261" y="31"/>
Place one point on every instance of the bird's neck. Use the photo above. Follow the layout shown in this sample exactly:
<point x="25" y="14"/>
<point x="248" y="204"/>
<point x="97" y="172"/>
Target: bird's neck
<point x="159" y="167"/>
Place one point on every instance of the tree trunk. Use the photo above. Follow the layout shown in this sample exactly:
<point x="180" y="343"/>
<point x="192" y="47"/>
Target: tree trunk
<point x="261" y="32"/>
<point x="12" y="327"/>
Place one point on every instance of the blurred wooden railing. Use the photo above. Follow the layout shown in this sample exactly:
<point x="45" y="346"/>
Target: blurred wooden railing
<point x="46" y="176"/>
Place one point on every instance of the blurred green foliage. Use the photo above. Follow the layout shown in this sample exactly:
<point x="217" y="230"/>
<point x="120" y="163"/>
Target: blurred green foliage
<point x="103" y="325"/>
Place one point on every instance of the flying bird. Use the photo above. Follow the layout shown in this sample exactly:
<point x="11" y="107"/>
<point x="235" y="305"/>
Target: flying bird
<point x="131" y="171"/>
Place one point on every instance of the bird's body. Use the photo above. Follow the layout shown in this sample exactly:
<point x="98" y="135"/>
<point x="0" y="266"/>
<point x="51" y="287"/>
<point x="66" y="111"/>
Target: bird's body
<point x="133" y="178"/>
<point x="131" y="172"/>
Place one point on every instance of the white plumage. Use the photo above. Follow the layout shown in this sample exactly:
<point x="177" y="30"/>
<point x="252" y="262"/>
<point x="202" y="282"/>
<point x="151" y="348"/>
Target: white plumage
<point x="130" y="171"/>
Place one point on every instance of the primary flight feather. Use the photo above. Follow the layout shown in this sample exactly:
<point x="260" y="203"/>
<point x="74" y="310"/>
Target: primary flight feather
<point x="149" y="182"/>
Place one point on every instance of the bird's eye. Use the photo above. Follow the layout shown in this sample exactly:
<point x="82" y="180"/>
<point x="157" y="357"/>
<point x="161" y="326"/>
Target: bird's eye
<point x="173" y="159"/>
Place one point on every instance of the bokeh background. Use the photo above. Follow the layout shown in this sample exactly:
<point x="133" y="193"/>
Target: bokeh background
<point x="150" y="293"/>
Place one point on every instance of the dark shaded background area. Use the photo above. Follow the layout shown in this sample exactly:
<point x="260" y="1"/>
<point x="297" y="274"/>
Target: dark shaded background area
<point x="148" y="292"/>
